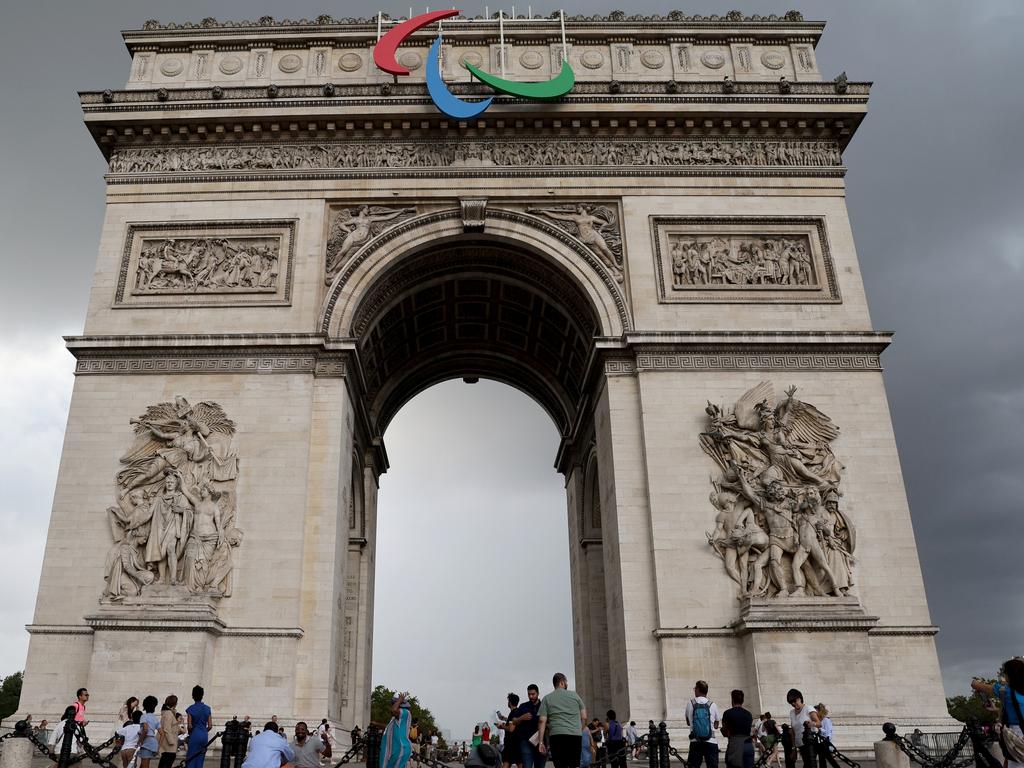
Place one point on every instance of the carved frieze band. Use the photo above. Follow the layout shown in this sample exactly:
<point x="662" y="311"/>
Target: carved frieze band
<point x="743" y="260"/>
<point x="207" y="263"/>
<point x="528" y="155"/>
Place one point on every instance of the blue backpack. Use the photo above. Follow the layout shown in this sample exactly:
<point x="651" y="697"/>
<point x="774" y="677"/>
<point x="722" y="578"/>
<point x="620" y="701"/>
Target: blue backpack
<point x="700" y="726"/>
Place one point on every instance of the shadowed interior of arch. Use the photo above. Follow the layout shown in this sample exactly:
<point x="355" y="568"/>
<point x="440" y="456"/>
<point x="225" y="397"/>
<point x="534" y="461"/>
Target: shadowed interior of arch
<point x="475" y="309"/>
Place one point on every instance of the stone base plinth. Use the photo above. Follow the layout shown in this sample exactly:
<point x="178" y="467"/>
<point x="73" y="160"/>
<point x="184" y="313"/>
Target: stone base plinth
<point x="761" y="614"/>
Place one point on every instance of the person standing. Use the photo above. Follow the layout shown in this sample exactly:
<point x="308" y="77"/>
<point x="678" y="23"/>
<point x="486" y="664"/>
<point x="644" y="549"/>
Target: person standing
<point x="81" y="699"/>
<point x="124" y="715"/>
<point x="200" y="721"/>
<point x="129" y="736"/>
<point x="526" y="718"/>
<point x="511" y="753"/>
<point x="561" y="715"/>
<point x="395" y="745"/>
<point x="149" y="746"/>
<point x="268" y="750"/>
<point x="788" y="747"/>
<point x="414" y="735"/>
<point x="631" y="738"/>
<point x="588" y="752"/>
<point x="616" y="741"/>
<point x="167" y="736"/>
<point x="703" y="718"/>
<point x="737" y="725"/>
<point x="1010" y="694"/>
<point x="308" y="749"/>
<point x="802" y="719"/>
<point x="826" y="734"/>
<point x="477" y="739"/>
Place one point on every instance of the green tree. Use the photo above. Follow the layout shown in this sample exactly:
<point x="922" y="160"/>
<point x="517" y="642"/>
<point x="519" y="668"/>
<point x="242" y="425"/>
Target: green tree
<point x="10" y="694"/>
<point x="972" y="706"/>
<point x="380" y="710"/>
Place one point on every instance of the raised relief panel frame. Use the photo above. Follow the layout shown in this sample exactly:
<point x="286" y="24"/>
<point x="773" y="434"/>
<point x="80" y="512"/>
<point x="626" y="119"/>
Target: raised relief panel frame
<point x="139" y="283"/>
<point x="738" y="260"/>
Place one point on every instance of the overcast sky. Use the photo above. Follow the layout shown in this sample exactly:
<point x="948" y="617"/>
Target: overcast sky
<point x="935" y="193"/>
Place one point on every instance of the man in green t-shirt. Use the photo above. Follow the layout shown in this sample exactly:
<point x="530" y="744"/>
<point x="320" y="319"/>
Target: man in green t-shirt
<point x="562" y="717"/>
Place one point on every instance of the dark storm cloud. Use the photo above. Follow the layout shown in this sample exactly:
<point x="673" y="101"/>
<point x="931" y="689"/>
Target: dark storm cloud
<point x="935" y="194"/>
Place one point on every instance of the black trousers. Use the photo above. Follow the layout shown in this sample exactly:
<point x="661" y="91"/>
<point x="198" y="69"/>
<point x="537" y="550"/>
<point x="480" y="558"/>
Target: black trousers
<point x="702" y="751"/>
<point x="565" y="750"/>
<point x="617" y="753"/>
<point x="806" y="753"/>
<point x="167" y="759"/>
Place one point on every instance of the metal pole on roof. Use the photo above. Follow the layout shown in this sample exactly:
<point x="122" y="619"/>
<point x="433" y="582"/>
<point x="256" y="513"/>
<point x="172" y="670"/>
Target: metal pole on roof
<point x="501" y="40"/>
<point x="561" y="17"/>
<point x="379" y="23"/>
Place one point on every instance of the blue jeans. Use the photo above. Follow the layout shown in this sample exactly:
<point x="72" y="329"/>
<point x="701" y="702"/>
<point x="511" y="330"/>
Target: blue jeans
<point x="531" y="757"/>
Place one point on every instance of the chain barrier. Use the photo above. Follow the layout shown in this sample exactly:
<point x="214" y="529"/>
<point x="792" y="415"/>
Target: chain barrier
<point x="352" y="753"/>
<point x="954" y="758"/>
<point x="823" y="746"/>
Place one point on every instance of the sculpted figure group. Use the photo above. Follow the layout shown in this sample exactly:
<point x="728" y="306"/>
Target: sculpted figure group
<point x="709" y="261"/>
<point x="173" y="523"/>
<point x="597" y="226"/>
<point x="351" y="228"/>
<point x="525" y="153"/>
<point x="208" y="265"/>
<point x="779" y="529"/>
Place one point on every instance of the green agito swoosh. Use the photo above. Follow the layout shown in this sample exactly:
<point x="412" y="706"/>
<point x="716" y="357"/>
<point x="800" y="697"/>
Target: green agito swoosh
<point x="549" y="89"/>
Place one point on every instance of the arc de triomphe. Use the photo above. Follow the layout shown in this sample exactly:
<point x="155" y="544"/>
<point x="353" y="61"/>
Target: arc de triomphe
<point x="297" y="243"/>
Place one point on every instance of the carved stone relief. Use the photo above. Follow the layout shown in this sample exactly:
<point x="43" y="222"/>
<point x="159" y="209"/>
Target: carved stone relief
<point x="524" y="153"/>
<point x="597" y="226"/>
<point x="206" y="263"/>
<point x="741" y="261"/>
<point x="173" y="523"/>
<point x="352" y="228"/>
<point x="779" y="528"/>
<point x="756" y="259"/>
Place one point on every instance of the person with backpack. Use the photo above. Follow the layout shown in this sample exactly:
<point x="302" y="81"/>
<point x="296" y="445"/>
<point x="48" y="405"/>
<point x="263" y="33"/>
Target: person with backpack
<point x="703" y="718"/>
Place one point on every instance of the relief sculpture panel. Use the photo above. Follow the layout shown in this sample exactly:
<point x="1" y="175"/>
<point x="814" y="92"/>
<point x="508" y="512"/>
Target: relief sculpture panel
<point x="780" y="529"/>
<point x="173" y="522"/>
<point x="206" y="263"/>
<point x="739" y="260"/>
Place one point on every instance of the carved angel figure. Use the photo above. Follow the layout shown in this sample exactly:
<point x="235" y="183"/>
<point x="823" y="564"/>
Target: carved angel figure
<point x="597" y="226"/>
<point x="777" y="467"/>
<point x="173" y="523"/>
<point x="353" y="228"/>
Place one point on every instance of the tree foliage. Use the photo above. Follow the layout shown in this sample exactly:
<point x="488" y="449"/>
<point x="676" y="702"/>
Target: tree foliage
<point x="10" y="694"/>
<point x="380" y="710"/>
<point x="972" y="707"/>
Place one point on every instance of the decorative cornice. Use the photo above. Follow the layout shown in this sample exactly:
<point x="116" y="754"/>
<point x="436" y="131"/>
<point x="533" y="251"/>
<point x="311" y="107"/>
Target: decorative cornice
<point x="749" y="361"/>
<point x="58" y="629"/>
<point x="615" y="17"/>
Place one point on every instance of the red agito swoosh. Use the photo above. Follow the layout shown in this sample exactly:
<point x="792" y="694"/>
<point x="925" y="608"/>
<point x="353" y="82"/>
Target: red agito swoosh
<point x="387" y="46"/>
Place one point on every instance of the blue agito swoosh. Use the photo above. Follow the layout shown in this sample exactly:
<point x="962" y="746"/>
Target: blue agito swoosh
<point x="448" y="103"/>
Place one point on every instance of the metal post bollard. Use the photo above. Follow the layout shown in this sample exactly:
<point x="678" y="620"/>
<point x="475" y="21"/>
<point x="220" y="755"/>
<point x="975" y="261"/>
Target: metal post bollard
<point x="663" y="746"/>
<point x="652" y="747"/>
<point x="373" y="745"/>
<point x="67" y="741"/>
<point x="229" y="742"/>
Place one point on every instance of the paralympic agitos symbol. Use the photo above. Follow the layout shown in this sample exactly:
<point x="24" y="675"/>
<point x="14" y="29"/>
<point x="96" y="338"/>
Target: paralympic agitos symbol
<point x="446" y="101"/>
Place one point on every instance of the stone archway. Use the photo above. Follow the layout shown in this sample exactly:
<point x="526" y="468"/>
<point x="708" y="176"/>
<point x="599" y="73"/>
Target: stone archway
<point x="510" y="304"/>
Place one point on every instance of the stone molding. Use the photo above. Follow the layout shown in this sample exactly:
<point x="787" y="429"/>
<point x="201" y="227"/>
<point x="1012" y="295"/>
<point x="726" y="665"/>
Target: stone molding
<point x="284" y="229"/>
<point x="97" y="624"/>
<point x="763" y="361"/>
<point x="824" y="291"/>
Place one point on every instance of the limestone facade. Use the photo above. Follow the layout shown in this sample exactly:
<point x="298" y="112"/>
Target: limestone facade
<point x="326" y="281"/>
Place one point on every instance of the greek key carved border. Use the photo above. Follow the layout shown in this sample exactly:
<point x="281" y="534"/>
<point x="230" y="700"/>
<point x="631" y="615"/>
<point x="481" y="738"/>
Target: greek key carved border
<point x="760" y="361"/>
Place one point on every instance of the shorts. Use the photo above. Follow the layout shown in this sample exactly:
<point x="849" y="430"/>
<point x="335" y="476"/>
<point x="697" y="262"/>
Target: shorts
<point x="145" y="754"/>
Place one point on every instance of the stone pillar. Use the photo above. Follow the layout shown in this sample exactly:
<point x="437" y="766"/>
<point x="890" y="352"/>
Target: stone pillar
<point x="889" y="755"/>
<point x="16" y="753"/>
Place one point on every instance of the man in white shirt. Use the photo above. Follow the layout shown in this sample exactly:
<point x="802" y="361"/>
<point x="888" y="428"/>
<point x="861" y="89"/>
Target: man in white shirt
<point x="268" y="749"/>
<point x="130" y="734"/>
<point x="703" y="718"/>
<point x="631" y="738"/>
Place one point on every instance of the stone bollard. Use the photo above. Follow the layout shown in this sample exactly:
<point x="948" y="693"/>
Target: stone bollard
<point x="16" y="753"/>
<point x="889" y="755"/>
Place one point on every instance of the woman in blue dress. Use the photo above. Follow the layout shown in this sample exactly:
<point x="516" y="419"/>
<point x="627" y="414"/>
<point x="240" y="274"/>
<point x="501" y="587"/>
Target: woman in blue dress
<point x="1009" y="692"/>
<point x="200" y="720"/>
<point x="395" y="747"/>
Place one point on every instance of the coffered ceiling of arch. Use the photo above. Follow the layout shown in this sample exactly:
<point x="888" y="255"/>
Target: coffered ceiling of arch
<point x="465" y="311"/>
